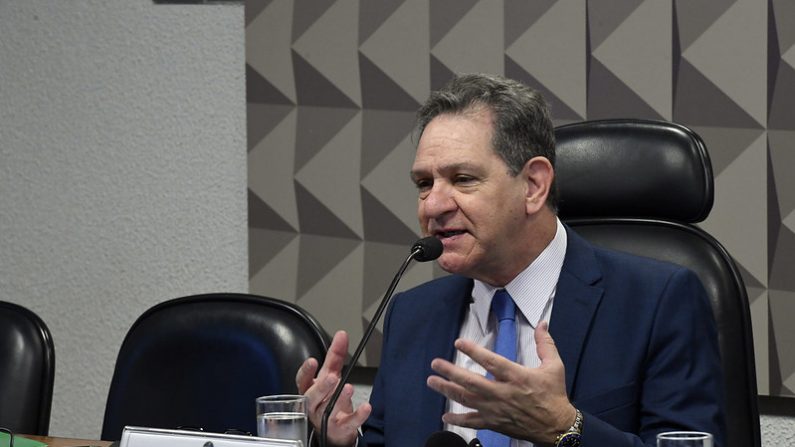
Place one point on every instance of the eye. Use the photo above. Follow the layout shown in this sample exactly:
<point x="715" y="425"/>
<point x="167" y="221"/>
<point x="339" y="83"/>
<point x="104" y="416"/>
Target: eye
<point x="423" y="184"/>
<point x="463" y="179"/>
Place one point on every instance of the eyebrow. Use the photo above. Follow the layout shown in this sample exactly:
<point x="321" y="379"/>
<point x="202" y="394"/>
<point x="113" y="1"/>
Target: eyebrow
<point x="453" y="167"/>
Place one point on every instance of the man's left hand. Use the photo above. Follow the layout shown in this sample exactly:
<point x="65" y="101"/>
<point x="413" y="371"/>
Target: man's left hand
<point x="523" y="403"/>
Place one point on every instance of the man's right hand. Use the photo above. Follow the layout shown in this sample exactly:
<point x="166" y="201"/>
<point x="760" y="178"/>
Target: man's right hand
<point x="343" y="423"/>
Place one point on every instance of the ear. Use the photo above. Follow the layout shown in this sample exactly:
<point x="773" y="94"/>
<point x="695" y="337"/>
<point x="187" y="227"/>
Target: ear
<point x="538" y="173"/>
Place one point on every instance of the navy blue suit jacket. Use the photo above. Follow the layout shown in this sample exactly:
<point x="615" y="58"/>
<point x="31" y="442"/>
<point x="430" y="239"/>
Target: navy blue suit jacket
<point x="636" y="336"/>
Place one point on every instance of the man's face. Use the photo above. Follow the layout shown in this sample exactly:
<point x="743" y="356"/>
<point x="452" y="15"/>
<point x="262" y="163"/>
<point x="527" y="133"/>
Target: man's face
<point x="467" y="196"/>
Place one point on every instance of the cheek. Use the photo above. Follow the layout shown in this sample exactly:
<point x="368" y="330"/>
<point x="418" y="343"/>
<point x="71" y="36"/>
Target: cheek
<point x="422" y="217"/>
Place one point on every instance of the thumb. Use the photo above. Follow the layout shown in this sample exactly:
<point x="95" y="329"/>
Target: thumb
<point x="545" y="345"/>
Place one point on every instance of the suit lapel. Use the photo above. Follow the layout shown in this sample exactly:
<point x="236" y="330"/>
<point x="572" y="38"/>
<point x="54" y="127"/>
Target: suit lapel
<point x="576" y="301"/>
<point x="445" y="318"/>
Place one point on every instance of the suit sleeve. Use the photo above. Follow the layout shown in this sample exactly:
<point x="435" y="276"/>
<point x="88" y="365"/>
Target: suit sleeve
<point x="373" y="428"/>
<point x="681" y="387"/>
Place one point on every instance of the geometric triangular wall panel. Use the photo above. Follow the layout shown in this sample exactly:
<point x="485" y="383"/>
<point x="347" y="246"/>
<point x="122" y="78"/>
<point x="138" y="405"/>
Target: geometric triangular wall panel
<point x="638" y="51"/>
<point x="333" y="87"/>
<point x="533" y="51"/>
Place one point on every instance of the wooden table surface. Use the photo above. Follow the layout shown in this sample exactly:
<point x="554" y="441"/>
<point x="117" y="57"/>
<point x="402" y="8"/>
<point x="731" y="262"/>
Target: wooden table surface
<point x="54" y="441"/>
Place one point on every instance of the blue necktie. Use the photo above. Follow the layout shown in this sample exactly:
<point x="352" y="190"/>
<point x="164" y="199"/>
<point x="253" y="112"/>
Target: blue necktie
<point x="503" y="307"/>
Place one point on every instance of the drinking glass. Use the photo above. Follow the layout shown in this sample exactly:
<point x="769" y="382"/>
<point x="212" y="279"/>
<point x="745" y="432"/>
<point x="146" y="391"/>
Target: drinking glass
<point x="684" y="439"/>
<point x="282" y="416"/>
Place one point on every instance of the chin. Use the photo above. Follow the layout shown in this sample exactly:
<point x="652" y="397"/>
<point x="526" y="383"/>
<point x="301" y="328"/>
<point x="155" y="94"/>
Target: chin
<point x="452" y="265"/>
<point x="445" y="264"/>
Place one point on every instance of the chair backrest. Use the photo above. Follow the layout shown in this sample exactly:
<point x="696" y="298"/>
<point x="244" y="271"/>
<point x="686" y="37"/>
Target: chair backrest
<point x="27" y="370"/>
<point x="640" y="187"/>
<point x="201" y="361"/>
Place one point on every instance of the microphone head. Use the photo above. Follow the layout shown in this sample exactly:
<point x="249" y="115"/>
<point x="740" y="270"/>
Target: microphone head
<point x="429" y="248"/>
<point x="445" y="439"/>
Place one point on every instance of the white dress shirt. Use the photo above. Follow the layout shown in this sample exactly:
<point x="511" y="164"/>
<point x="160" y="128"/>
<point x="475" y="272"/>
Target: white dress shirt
<point x="533" y="291"/>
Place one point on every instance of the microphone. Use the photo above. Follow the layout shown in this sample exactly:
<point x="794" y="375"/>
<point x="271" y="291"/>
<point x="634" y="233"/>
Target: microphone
<point x="425" y="249"/>
<point x="446" y="439"/>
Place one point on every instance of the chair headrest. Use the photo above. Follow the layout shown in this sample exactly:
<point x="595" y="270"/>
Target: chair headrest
<point x="632" y="169"/>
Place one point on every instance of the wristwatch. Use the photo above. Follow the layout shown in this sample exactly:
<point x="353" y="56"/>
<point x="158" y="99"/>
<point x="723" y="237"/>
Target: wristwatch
<point x="572" y="436"/>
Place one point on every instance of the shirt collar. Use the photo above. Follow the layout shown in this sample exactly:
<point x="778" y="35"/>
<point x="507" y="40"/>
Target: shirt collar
<point x="532" y="288"/>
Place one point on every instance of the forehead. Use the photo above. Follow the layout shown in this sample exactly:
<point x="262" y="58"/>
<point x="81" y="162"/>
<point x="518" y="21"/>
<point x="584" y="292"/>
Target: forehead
<point x="460" y="138"/>
<point x="477" y="120"/>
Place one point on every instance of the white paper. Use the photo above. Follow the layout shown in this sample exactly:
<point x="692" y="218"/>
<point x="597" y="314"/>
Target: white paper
<point x="156" y="437"/>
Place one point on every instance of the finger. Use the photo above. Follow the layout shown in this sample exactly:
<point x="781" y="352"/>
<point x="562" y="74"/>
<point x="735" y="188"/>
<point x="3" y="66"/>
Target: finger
<point x="500" y="368"/>
<point x="335" y="357"/>
<point x="545" y="345"/>
<point x="352" y="421"/>
<point x="461" y="376"/>
<point x="317" y="395"/>
<point x="329" y="375"/>
<point x="344" y="423"/>
<point x="361" y="414"/>
<point x="345" y="401"/>
<point x="305" y="376"/>
<point x="454" y="391"/>
<point x="472" y="419"/>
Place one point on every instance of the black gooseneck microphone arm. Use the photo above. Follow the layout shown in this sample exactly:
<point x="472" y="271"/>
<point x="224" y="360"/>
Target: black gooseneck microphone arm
<point x="426" y="249"/>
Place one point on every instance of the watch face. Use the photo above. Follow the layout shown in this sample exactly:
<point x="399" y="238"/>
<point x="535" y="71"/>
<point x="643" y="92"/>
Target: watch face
<point x="569" y="440"/>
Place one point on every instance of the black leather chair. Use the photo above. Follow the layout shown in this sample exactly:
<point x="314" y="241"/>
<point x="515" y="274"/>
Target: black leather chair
<point x="27" y="370"/>
<point x="201" y="361"/>
<point x="640" y="187"/>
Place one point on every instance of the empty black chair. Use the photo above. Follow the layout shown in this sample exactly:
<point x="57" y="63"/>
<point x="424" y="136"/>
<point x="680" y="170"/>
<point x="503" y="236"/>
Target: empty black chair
<point x="201" y="361"/>
<point x="640" y="187"/>
<point x="27" y="370"/>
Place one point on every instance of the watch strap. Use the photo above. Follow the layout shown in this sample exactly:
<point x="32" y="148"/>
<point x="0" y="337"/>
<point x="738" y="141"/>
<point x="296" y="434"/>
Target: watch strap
<point x="575" y="431"/>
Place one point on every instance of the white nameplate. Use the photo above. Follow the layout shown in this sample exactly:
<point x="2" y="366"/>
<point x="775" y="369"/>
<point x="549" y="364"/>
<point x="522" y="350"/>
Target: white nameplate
<point x="156" y="437"/>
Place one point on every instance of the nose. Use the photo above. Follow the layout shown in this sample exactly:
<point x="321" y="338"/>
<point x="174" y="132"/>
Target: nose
<point x="438" y="202"/>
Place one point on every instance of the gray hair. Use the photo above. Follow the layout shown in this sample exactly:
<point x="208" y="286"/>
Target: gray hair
<point x="522" y="124"/>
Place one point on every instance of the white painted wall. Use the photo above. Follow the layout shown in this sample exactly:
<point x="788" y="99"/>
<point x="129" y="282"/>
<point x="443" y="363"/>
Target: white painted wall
<point x="777" y="431"/>
<point x="122" y="173"/>
<point x="123" y="176"/>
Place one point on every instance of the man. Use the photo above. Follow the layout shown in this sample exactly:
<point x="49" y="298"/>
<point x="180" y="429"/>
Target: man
<point x="632" y="355"/>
